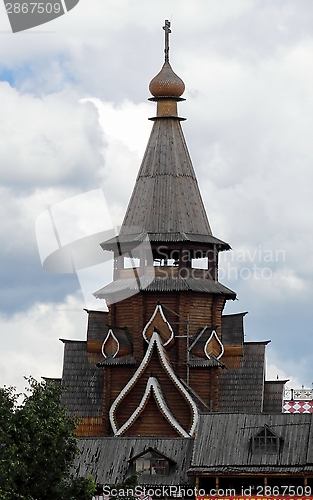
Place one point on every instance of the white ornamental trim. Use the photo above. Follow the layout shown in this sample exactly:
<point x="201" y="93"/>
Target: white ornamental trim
<point x="214" y="334"/>
<point x="110" y="333"/>
<point x="158" y="308"/>
<point x="155" y="340"/>
<point x="153" y="386"/>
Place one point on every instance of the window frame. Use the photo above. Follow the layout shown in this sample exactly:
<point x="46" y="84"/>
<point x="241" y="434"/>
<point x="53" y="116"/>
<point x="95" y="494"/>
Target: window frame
<point x="157" y="464"/>
<point x="265" y="442"/>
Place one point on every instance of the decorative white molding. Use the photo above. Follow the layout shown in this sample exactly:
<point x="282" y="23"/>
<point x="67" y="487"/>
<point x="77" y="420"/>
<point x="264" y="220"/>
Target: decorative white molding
<point x="214" y="334"/>
<point x="154" y="342"/>
<point x="153" y="386"/>
<point x="110" y="334"/>
<point x="160" y="310"/>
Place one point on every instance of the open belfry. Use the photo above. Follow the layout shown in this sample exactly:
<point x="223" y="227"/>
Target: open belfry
<point x="165" y="382"/>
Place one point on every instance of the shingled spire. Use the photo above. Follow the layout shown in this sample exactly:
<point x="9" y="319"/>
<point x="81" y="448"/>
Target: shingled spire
<point x="166" y="208"/>
<point x="166" y="201"/>
<point x="164" y="323"/>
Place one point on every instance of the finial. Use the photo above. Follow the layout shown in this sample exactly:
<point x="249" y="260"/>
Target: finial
<point x="167" y="44"/>
<point x="166" y="83"/>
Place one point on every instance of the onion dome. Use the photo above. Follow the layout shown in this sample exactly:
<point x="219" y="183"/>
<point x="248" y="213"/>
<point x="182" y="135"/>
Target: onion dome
<point x="166" y="83"/>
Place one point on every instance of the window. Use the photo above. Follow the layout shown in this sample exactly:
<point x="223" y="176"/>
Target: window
<point x="152" y="463"/>
<point x="265" y="442"/>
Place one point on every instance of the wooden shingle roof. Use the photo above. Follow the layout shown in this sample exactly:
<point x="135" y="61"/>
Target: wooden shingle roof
<point x="95" y="452"/>
<point x="164" y="285"/>
<point x="211" y="455"/>
<point x="232" y="328"/>
<point x="241" y="386"/>
<point x="82" y="380"/>
<point x="166" y="196"/>
<point x="166" y="202"/>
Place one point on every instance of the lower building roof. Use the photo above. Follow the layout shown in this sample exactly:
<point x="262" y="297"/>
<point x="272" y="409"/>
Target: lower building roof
<point x="108" y="459"/>
<point x="223" y="444"/>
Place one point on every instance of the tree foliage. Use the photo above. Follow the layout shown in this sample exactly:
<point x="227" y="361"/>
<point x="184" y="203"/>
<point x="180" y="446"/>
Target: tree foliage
<point x="38" y="447"/>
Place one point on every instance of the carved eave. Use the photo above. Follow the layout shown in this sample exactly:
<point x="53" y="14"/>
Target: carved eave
<point x="159" y="323"/>
<point x="117" y="344"/>
<point x="207" y="344"/>
<point x="211" y="362"/>
<point x="214" y="346"/>
<point x="110" y="346"/>
<point x="155" y="343"/>
<point x="118" y="361"/>
<point x="153" y="387"/>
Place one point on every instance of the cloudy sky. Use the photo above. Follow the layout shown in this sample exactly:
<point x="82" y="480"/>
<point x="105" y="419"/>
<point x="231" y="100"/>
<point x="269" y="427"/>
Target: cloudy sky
<point x="73" y="119"/>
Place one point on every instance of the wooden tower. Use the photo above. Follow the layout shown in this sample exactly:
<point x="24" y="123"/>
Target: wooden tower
<point x="157" y="359"/>
<point x="165" y="383"/>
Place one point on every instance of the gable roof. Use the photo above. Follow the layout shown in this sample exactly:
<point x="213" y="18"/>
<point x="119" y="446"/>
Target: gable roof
<point x="265" y="429"/>
<point x="146" y="450"/>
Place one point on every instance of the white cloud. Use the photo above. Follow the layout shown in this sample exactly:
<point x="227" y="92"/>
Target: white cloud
<point x="274" y="372"/>
<point x="126" y="130"/>
<point x="294" y="371"/>
<point x="127" y="122"/>
<point x="30" y="340"/>
<point x="48" y="140"/>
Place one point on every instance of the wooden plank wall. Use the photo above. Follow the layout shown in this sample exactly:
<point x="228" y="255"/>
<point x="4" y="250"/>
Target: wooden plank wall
<point x="152" y="423"/>
<point x="175" y="400"/>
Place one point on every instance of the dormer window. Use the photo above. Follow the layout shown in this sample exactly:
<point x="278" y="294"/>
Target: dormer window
<point x="152" y="463"/>
<point x="265" y="441"/>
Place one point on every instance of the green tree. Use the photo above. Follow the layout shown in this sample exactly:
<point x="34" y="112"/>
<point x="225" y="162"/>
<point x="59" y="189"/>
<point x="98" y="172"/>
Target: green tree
<point x="7" y="447"/>
<point x="38" y="447"/>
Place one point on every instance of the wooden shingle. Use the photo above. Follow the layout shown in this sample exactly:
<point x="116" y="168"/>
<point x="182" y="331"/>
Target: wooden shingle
<point x="95" y="452"/>
<point x="82" y="379"/>
<point x="223" y="443"/>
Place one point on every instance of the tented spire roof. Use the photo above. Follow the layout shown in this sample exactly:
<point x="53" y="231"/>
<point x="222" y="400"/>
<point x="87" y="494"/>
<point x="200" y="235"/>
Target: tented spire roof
<point x="166" y="202"/>
<point x="166" y="196"/>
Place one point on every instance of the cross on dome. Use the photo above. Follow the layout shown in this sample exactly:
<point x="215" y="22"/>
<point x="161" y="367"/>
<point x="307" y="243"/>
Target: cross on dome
<point x="166" y="83"/>
<point x="167" y="30"/>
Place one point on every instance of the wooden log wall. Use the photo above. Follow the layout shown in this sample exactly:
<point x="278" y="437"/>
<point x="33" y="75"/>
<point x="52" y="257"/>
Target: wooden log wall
<point x="193" y="311"/>
<point x="204" y="382"/>
<point x="89" y="427"/>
